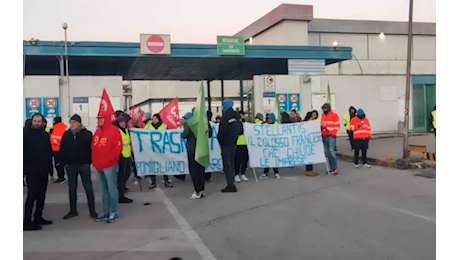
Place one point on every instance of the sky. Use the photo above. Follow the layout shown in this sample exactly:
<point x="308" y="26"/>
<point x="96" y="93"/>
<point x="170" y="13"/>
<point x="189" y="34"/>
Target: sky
<point x="189" y="21"/>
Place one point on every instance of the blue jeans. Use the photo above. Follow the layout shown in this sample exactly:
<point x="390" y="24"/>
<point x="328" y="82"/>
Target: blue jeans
<point x="108" y="179"/>
<point x="329" y="144"/>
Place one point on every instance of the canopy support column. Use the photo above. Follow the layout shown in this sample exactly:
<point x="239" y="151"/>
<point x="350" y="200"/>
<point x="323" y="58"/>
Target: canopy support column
<point x="222" y="96"/>
<point x="241" y="96"/>
<point x="209" y="94"/>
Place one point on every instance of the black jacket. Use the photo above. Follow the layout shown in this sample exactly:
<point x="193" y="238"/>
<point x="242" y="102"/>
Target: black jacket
<point x="37" y="152"/>
<point x="190" y="137"/>
<point x="76" y="149"/>
<point x="230" y="128"/>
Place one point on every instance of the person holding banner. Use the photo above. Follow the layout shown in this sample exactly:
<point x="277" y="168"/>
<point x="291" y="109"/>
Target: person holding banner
<point x="147" y="119"/>
<point x="330" y="125"/>
<point x="157" y="124"/>
<point x="211" y="123"/>
<point x="124" y="164"/>
<point x="230" y="128"/>
<point x="271" y="119"/>
<point x="309" y="168"/>
<point x="105" y="154"/>
<point x="241" y="155"/>
<point x="259" y="119"/>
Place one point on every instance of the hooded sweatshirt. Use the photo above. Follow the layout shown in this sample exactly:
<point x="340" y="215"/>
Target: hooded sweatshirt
<point x="107" y="146"/>
<point x="360" y="126"/>
<point x="272" y="117"/>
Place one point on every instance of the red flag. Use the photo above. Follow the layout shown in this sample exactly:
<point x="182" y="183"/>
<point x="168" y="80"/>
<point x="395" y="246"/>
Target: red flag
<point x="170" y="114"/>
<point x="131" y="115"/>
<point x="106" y="106"/>
<point x="140" y="119"/>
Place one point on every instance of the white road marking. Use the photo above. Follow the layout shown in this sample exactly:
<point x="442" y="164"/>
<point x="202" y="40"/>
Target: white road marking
<point x="415" y="215"/>
<point x="198" y="244"/>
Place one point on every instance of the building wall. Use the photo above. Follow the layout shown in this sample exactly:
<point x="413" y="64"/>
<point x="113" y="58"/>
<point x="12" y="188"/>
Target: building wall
<point x="284" y="33"/>
<point x="80" y="86"/>
<point x="381" y="55"/>
<point x="374" y="54"/>
<point x="361" y="91"/>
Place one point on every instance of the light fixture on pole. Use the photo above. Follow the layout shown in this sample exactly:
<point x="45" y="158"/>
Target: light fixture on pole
<point x="408" y="82"/>
<point x="65" y="26"/>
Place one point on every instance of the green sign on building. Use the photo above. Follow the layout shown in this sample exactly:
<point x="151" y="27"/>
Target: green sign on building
<point x="230" y="46"/>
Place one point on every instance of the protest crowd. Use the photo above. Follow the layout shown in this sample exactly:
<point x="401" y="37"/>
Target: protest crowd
<point x="73" y="149"/>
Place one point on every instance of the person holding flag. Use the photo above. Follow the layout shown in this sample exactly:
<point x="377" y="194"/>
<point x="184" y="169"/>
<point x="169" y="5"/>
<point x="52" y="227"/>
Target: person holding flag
<point x="197" y="132"/>
<point x="230" y="128"/>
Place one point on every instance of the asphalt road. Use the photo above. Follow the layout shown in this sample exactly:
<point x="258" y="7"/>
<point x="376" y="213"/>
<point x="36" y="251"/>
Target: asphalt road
<point x="375" y="213"/>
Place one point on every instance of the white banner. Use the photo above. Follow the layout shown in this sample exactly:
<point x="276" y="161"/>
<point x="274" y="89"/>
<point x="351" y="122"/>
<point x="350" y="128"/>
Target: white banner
<point x="165" y="152"/>
<point x="285" y="145"/>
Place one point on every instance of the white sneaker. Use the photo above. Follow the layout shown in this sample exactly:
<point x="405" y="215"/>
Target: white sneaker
<point x="237" y="179"/>
<point x="367" y="165"/>
<point x="277" y="176"/>
<point x="356" y="166"/>
<point x="136" y="182"/>
<point x="244" y="178"/>
<point x="263" y="176"/>
<point x="198" y="195"/>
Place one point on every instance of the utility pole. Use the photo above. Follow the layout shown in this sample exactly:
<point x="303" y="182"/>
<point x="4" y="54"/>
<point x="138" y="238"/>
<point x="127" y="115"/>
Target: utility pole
<point x="408" y="82"/>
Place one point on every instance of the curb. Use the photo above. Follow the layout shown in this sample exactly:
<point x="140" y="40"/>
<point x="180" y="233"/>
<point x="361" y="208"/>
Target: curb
<point x="399" y="164"/>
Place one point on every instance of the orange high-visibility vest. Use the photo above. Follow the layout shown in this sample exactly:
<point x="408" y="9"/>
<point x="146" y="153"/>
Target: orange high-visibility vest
<point x="332" y="121"/>
<point x="56" y="137"/>
<point x="362" y="132"/>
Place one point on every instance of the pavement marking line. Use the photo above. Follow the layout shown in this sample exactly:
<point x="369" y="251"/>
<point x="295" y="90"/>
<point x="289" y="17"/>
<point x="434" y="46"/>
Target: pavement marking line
<point x="415" y="215"/>
<point x="196" y="241"/>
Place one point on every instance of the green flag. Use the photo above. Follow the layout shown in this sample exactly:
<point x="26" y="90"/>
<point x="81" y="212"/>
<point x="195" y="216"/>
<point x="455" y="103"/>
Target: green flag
<point x="329" y="94"/>
<point x="198" y="123"/>
<point x="277" y="111"/>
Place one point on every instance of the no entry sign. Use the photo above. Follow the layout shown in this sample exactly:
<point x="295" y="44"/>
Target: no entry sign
<point x="155" y="44"/>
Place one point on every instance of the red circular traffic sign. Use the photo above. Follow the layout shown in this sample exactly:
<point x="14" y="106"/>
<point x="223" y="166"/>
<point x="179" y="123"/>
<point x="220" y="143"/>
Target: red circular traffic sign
<point x="51" y="103"/>
<point x="155" y="43"/>
<point x="33" y="103"/>
<point x="294" y="98"/>
<point x="282" y="98"/>
<point x="270" y="80"/>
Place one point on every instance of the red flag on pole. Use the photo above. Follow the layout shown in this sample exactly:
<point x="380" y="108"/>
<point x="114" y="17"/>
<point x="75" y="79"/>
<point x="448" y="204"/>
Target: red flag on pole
<point x="140" y="119"/>
<point x="131" y="115"/>
<point x="170" y="114"/>
<point x="106" y="106"/>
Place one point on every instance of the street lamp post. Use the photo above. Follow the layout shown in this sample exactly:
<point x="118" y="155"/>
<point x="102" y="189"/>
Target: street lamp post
<point x="65" y="26"/>
<point x="408" y="82"/>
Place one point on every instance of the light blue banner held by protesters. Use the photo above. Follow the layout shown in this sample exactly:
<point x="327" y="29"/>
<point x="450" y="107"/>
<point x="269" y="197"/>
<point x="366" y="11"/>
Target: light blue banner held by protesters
<point x="165" y="152"/>
<point x="284" y="145"/>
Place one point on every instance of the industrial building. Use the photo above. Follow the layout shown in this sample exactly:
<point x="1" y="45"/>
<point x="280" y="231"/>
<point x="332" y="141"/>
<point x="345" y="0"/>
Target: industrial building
<point x="373" y="80"/>
<point x="313" y="55"/>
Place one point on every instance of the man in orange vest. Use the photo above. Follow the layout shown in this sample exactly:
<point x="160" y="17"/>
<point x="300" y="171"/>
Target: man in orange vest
<point x="330" y="125"/>
<point x="59" y="129"/>
<point x="361" y="134"/>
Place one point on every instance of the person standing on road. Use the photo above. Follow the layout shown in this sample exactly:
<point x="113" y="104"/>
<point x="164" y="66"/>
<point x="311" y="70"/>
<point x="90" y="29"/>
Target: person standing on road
<point x="433" y="120"/>
<point x="196" y="170"/>
<point x="241" y="155"/>
<point x="271" y="120"/>
<point x="361" y="128"/>
<point x="294" y="116"/>
<point x="59" y="129"/>
<point x="105" y="154"/>
<point x="309" y="168"/>
<point x="76" y="157"/>
<point x="48" y="130"/>
<point x="346" y="122"/>
<point x="157" y="124"/>
<point x="330" y="125"/>
<point x="259" y="119"/>
<point x="230" y="128"/>
<point x="147" y="119"/>
<point x="37" y="160"/>
<point x="124" y="164"/>
<point x="211" y="123"/>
